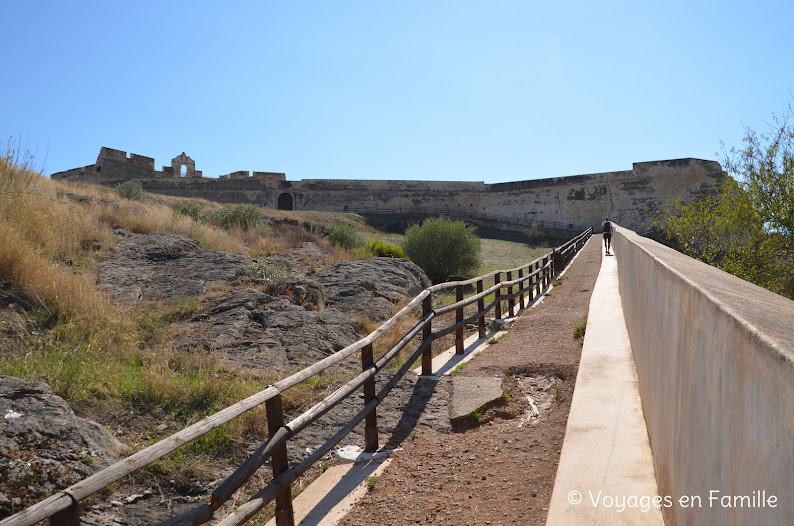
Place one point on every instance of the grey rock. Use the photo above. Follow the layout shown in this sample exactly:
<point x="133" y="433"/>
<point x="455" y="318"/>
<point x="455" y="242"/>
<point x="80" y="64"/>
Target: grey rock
<point x="44" y="447"/>
<point x="272" y="334"/>
<point x="166" y="267"/>
<point x="371" y="287"/>
<point x="304" y="292"/>
<point x="468" y="394"/>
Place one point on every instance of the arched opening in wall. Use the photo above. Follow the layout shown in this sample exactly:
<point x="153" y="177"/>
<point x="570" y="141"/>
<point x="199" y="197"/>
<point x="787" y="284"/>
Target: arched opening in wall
<point x="183" y="170"/>
<point x="285" y="202"/>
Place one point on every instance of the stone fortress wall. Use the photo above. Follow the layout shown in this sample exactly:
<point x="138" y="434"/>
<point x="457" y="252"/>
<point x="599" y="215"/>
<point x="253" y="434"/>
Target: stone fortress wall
<point x="628" y="197"/>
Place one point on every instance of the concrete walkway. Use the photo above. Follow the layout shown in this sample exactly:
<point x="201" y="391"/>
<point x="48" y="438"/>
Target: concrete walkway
<point x="606" y="473"/>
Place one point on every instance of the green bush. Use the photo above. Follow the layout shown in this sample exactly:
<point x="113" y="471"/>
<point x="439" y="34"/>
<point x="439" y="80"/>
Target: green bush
<point x="579" y="329"/>
<point x="131" y="190"/>
<point x="443" y="248"/>
<point x="345" y="236"/>
<point x="191" y="209"/>
<point x="244" y="216"/>
<point x="384" y="250"/>
<point x="268" y="272"/>
<point x="533" y="235"/>
<point x="227" y="217"/>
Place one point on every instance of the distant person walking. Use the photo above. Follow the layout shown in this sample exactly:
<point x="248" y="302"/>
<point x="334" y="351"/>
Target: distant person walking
<point x="607" y="228"/>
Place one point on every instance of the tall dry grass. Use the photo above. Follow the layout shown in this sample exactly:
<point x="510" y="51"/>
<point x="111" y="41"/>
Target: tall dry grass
<point x="83" y="345"/>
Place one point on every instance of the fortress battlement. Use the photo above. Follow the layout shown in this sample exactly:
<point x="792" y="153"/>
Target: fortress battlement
<point x="629" y="197"/>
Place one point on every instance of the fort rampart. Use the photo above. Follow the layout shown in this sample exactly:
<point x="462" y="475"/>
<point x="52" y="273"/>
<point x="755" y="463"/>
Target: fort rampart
<point x="626" y="196"/>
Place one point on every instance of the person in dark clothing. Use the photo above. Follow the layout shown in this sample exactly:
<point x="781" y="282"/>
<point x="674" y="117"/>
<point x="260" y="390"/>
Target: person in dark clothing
<point x="607" y="228"/>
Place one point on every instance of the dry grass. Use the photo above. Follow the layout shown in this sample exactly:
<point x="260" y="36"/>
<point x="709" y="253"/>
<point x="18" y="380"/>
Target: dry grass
<point x="90" y="349"/>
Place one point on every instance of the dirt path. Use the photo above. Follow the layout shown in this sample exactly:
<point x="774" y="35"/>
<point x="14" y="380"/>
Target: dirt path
<point x="501" y="468"/>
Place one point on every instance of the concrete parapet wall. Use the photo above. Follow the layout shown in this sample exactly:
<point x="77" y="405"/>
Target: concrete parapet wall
<point x="715" y="362"/>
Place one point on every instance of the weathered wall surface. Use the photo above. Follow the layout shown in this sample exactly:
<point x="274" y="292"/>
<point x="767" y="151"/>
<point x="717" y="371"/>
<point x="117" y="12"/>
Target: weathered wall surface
<point x="715" y="362"/>
<point x="626" y="196"/>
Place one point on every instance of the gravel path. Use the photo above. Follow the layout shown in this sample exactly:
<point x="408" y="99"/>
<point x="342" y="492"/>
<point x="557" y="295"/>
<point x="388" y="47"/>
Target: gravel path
<point x="501" y="468"/>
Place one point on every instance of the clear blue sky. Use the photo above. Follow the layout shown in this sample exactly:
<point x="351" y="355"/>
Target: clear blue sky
<point x="439" y="90"/>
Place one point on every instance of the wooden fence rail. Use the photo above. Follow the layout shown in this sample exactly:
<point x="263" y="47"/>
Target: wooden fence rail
<point x="63" y="507"/>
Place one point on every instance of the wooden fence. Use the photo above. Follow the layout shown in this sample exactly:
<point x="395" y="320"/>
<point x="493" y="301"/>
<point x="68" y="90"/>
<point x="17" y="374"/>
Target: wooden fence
<point x="524" y="284"/>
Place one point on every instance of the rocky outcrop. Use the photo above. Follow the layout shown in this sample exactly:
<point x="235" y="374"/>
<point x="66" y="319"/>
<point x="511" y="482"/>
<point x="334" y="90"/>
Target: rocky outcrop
<point x="43" y="445"/>
<point x="260" y="332"/>
<point x="166" y="267"/>
<point x="293" y="323"/>
<point x="371" y="287"/>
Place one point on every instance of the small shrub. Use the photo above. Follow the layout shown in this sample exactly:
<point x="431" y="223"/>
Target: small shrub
<point x="385" y="250"/>
<point x="533" y="235"/>
<point x="345" y="236"/>
<point x="261" y="228"/>
<point x="475" y="415"/>
<point x="505" y="396"/>
<point x="267" y="272"/>
<point x="372" y="482"/>
<point x="243" y="216"/>
<point x="190" y="209"/>
<point x="443" y="248"/>
<point x="579" y="330"/>
<point x="325" y="465"/>
<point x="131" y="190"/>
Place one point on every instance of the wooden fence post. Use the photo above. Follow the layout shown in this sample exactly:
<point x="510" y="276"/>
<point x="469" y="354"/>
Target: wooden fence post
<point x="538" y="278"/>
<point x="458" y="319"/>
<point x="521" y="289"/>
<point x="68" y="517"/>
<point x="550" y="270"/>
<point x="557" y="262"/>
<point x="511" y="301"/>
<point x="546" y="271"/>
<point x="427" y="334"/>
<point x="280" y="462"/>
<point x="497" y="279"/>
<point x="371" y="426"/>
<point x="481" y="308"/>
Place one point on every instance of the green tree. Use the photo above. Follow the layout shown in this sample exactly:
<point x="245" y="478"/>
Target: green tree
<point x="745" y="227"/>
<point x="443" y="248"/>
